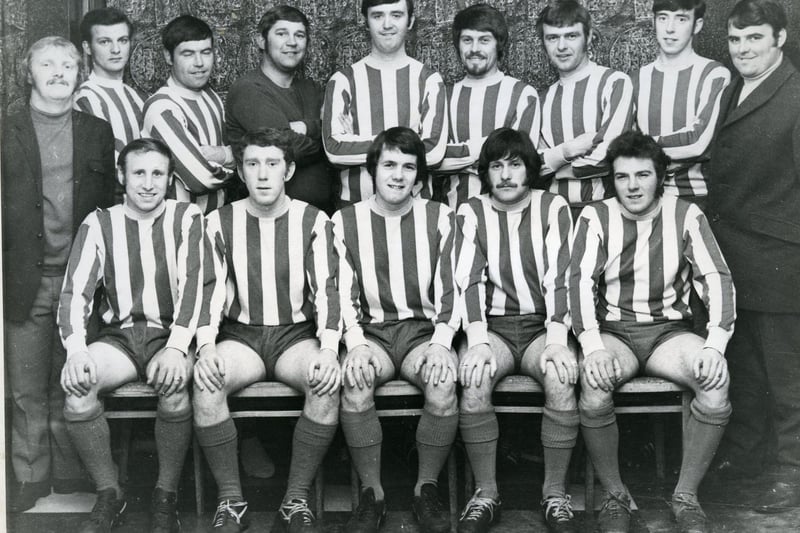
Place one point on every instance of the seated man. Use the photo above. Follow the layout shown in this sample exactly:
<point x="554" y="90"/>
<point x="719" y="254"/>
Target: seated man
<point x="149" y="312"/>
<point x="395" y="259"/>
<point x="512" y="268"/>
<point x="635" y="258"/>
<point x="270" y="311"/>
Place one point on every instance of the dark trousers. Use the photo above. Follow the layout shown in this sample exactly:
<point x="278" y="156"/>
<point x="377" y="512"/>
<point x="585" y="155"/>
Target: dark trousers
<point x="764" y="361"/>
<point x="40" y="446"/>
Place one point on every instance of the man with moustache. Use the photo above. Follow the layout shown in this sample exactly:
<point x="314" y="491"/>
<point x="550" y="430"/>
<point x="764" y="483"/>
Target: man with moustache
<point x="274" y="95"/>
<point x="187" y="115"/>
<point x="575" y="129"/>
<point x="385" y="89"/>
<point x="486" y="99"/>
<point x="58" y="166"/>
<point x="106" y="35"/>
<point x="753" y="200"/>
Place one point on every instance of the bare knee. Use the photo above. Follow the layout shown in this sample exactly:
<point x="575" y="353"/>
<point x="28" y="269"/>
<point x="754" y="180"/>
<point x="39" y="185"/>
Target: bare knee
<point x="176" y="403"/>
<point x="355" y="399"/>
<point x="477" y="399"/>
<point x="558" y="395"/>
<point x="323" y="409"/>
<point x="440" y="398"/>
<point x="206" y="402"/>
<point x="592" y="398"/>
<point x="82" y="408"/>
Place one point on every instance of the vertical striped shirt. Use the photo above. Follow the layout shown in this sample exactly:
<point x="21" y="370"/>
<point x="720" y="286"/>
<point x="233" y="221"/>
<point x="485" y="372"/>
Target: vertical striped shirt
<point x="598" y="100"/>
<point x="150" y="271"/>
<point x="679" y="107"/>
<point x="270" y="271"/>
<point x="396" y="267"/>
<point x="477" y="108"/>
<point x="642" y="270"/>
<point x="186" y="120"/>
<point x="375" y="97"/>
<point x="514" y="262"/>
<point x="115" y="102"/>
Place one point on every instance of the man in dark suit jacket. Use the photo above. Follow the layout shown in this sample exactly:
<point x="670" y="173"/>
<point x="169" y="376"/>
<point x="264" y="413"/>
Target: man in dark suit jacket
<point x="58" y="165"/>
<point x="754" y="207"/>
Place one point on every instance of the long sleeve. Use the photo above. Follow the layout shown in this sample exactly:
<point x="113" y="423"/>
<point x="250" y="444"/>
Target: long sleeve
<point x="348" y="288"/>
<point x="446" y="319"/>
<point x="343" y="147"/>
<point x="586" y="266"/>
<point x="470" y="277"/>
<point x="215" y="276"/>
<point x="321" y="271"/>
<point x="557" y="251"/>
<point x="84" y="275"/>
<point x="711" y="279"/>
<point x="190" y="280"/>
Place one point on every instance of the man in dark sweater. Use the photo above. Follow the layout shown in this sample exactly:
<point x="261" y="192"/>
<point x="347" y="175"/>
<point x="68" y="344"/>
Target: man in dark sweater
<point x="58" y="166"/>
<point x="275" y="96"/>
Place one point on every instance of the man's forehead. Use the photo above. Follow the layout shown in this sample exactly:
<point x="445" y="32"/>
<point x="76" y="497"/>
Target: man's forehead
<point x="389" y="7"/>
<point x="472" y="32"/>
<point x="119" y="28"/>
<point x="203" y="44"/>
<point x="53" y="52"/>
<point x="392" y="153"/>
<point x="254" y="151"/>
<point x="548" y="29"/>
<point x="761" y="29"/>
<point x="290" y="24"/>
<point x="146" y="158"/>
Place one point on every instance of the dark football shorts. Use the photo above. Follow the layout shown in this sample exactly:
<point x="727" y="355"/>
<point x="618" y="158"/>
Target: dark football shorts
<point x="644" y="337"/>
<point x="269" y="342"/>
<point x="399" y="337"/>
<point x="139" y="342"/>
<point x="517" y="332"/>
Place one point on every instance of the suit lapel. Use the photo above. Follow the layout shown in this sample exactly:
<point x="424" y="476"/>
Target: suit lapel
<point x="760" y="96"/>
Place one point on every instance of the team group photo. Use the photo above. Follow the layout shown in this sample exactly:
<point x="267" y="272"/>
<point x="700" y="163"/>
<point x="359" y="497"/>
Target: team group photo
<point x="401" y="265"/>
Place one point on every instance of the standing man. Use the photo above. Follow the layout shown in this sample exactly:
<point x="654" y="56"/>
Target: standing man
<point x="270" y="311"/>
<point x="187" y="115"/>
<point x="399" y="320"/>
<point x="149" y="310"/>
<point x="635" y="258"/>
<point x="106" y="39"/>
<point x="677" y="97"/>
<point x="583" y="111"/>
<point x="274" y="95"/>
<point x="385" y="89"/>
<point x="753" y="203"/>
<point x="512" y="272"/>
<point x="58" y="166"/>
<point x="486" y="99"/>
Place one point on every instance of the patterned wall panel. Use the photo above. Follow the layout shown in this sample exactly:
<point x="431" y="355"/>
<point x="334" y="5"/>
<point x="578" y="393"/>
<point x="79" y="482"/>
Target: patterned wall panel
<point x="623" y="36"/>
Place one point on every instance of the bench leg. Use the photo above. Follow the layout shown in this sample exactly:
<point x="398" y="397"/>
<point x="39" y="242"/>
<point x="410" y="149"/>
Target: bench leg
<point x="452" y="489"/>
<point x="355" y="486"/>
<point x="197" y="460"/>
<point x="125" y="449"/>
<point x="658" y="438"/>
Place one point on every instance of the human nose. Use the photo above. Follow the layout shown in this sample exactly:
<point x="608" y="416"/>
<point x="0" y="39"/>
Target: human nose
<point x="148" y="181"/>
<point x="670" y="26"/>
<point x="387" y="22"/>
<point x="562" y="42"/>
<point x="198" y="60"/>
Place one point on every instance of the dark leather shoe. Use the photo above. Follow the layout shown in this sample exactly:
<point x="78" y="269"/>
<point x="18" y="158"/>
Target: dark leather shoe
<point x="779" y="498"/>
<point x="25" y="495"/>
<point x="69" y="486"/>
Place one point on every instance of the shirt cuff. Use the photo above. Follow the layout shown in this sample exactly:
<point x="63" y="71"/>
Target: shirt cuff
<point x="329" y="339"/>
<point x="180" y="338"/>
<point x="557" y="333"/>
<point x="205" y="335"/>
<point x="75" y="343"/>
<point x="591" y="341"/>
<point x="354" y="337"/>
<point x="718" y="339"/>
<point x="477" y="333"/>
<point x="443" y="334"/>
<point x="230" y="161"/>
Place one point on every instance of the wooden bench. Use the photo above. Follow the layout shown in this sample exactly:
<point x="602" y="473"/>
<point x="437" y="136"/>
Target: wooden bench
<point x="523" y="395"/>
<point x="259" y="400"/>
